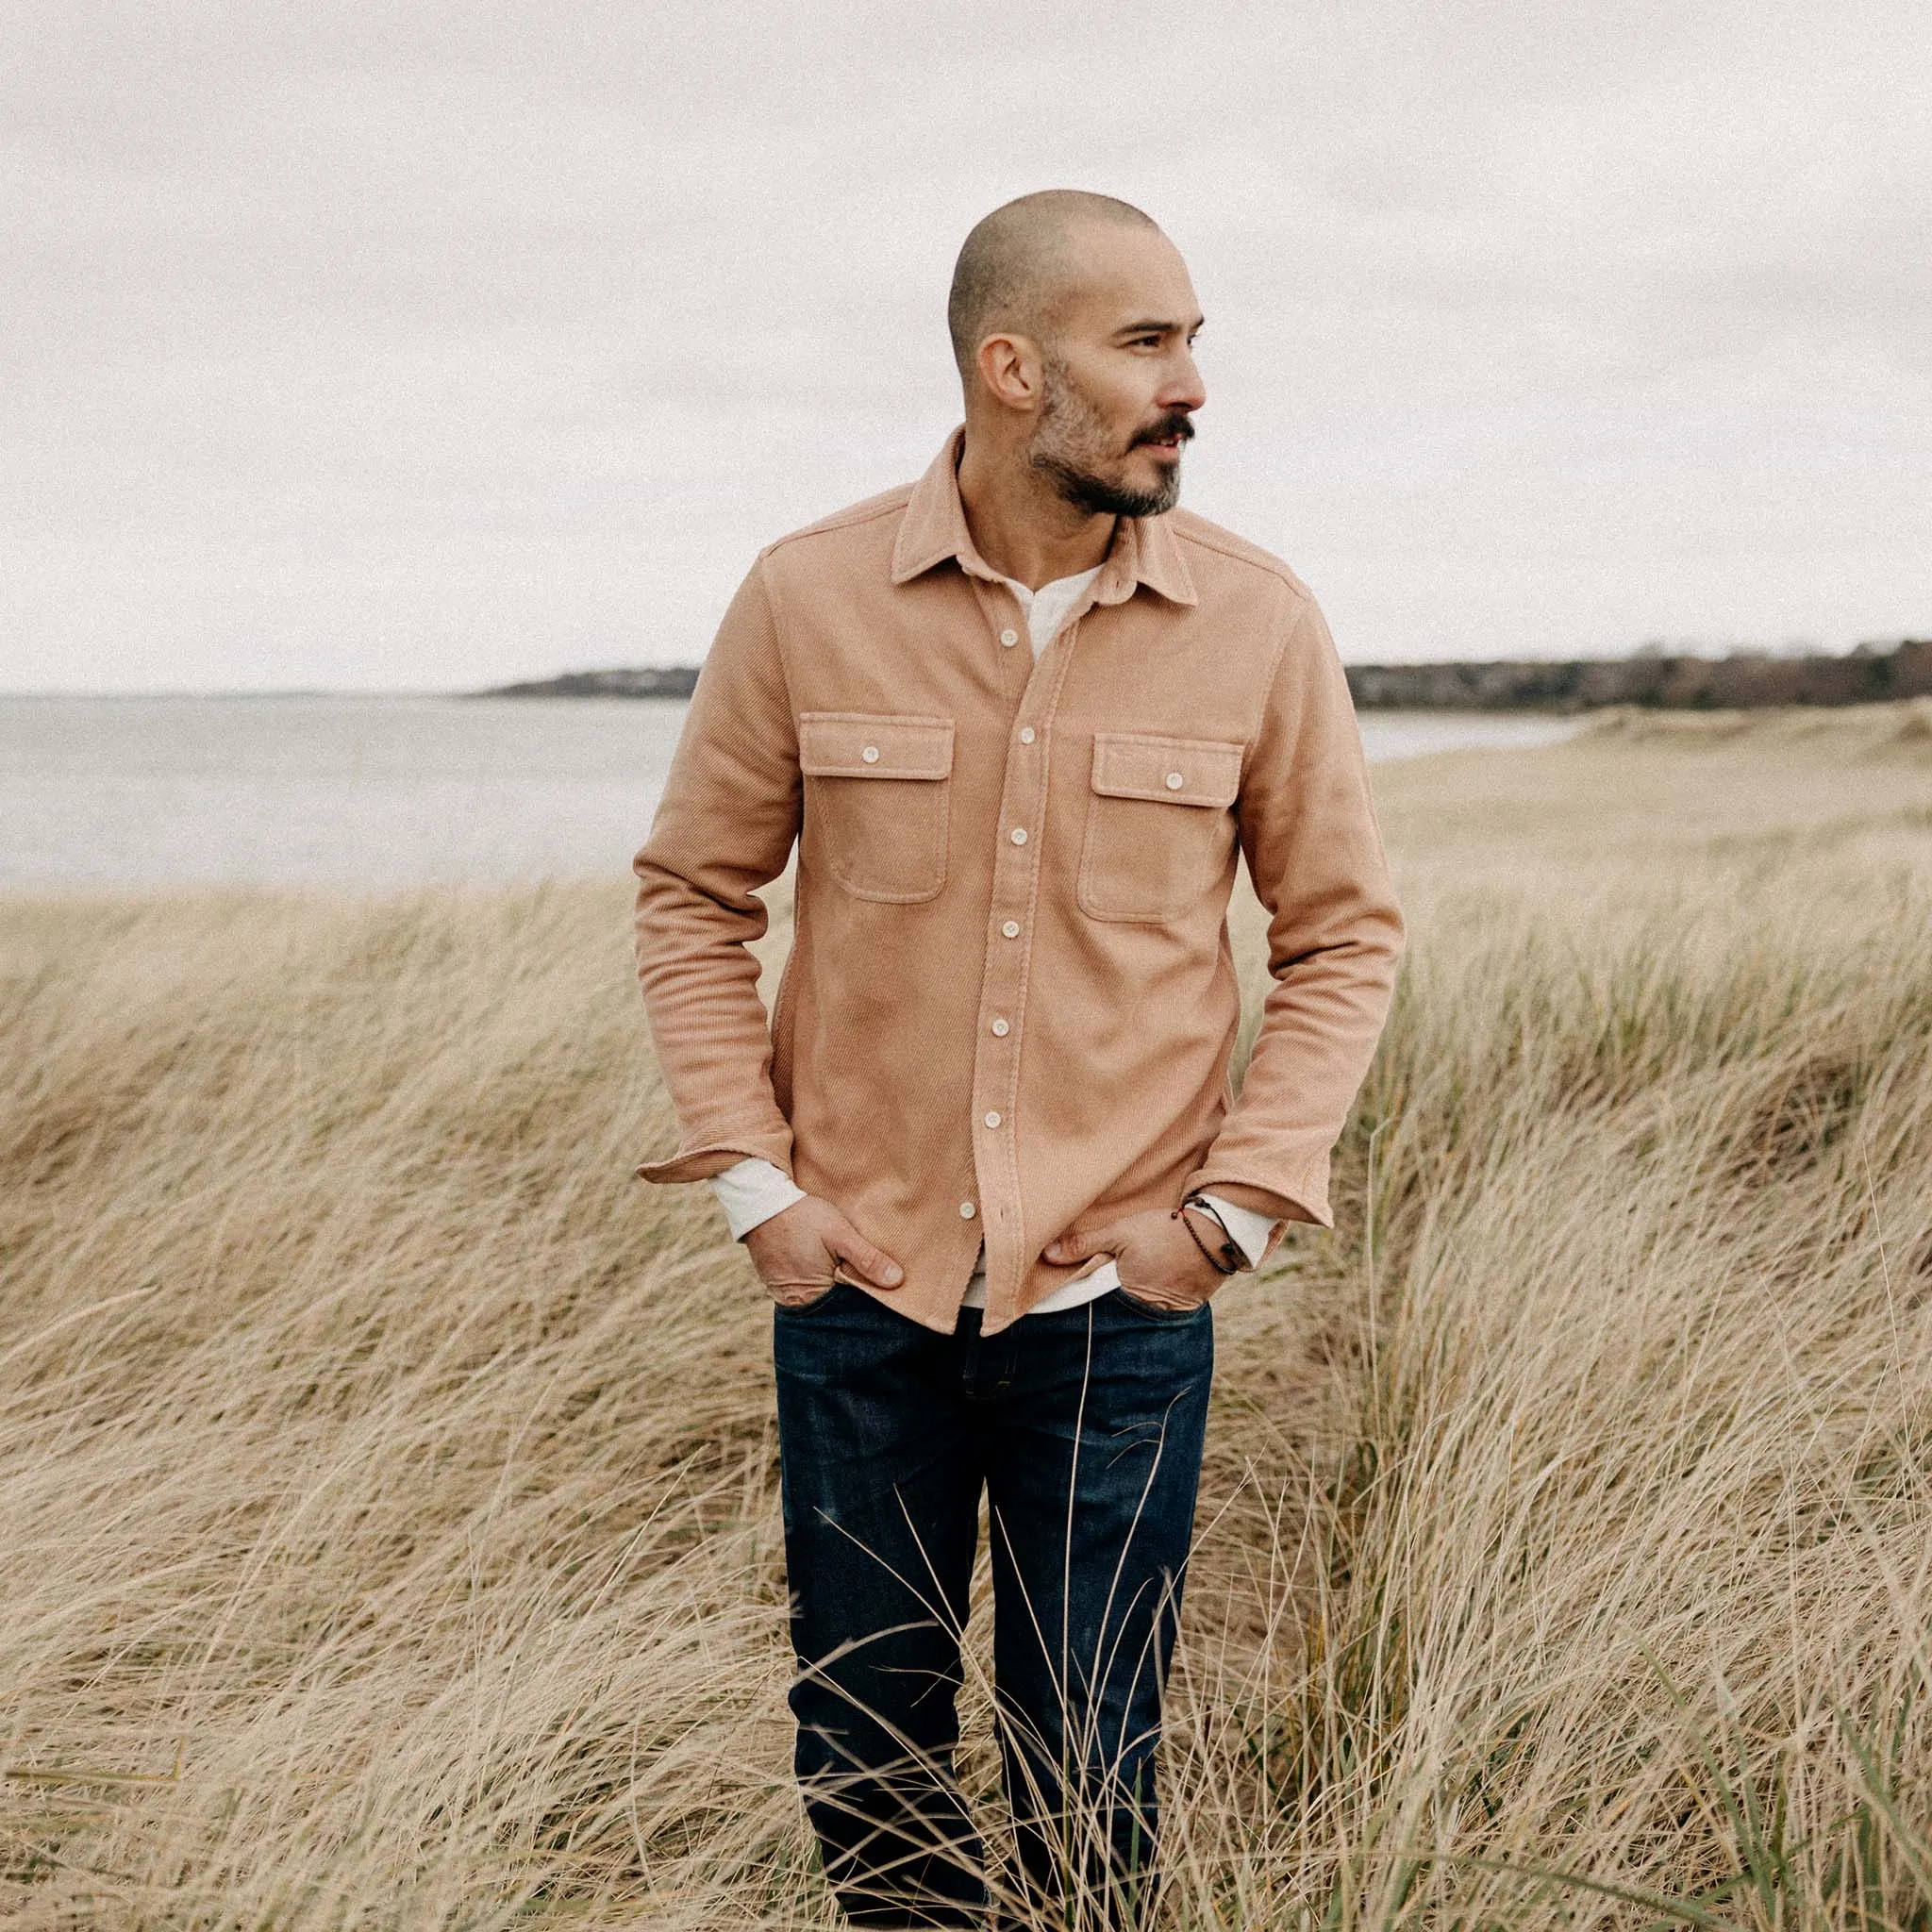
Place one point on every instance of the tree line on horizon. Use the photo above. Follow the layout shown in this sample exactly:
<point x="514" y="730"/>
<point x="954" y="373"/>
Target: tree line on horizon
<point x="1744" y="681"/>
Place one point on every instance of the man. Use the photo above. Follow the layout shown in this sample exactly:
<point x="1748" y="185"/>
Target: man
<point x="985" y="1158"/>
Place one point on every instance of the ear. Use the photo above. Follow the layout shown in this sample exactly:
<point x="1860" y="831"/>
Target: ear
<point x="1010" y="371"/>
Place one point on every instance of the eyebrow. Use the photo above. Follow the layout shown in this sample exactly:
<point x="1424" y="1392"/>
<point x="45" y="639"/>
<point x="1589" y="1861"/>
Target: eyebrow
<point x="1156" y="325"/>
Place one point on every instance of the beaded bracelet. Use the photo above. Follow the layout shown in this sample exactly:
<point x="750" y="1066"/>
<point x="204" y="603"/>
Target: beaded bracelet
<point x="1232" y="1258"/>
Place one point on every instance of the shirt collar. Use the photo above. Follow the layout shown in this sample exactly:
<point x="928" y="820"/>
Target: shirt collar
<point x="1144" y="551"/>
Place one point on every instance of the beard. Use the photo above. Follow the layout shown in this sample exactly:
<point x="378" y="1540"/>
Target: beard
<point x="1069" y="443"/>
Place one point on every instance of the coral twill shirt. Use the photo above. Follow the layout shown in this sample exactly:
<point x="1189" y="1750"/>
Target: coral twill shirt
<point x="1010" y="999"/>
<point x="754" y="1190"/>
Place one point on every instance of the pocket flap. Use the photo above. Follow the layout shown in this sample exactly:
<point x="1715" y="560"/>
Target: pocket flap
<point x="865" y="744"/>
<point x="1170" y="770"/>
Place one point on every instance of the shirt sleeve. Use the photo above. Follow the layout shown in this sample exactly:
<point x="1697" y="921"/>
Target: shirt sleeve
<point x="725" y="826"/>
<point x="1335" y="934"/>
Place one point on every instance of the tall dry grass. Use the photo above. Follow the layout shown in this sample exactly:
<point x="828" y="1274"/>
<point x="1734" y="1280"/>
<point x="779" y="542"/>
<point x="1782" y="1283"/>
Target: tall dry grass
<point x="388" y="1522"/>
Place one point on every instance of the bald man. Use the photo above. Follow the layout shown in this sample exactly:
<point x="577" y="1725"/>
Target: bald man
<point x="1017" y="719"/>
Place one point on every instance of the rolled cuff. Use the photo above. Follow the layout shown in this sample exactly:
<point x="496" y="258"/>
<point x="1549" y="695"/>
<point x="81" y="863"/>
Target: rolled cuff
<point x="710" y="1158"/>
<point x="1307" y="1201"/>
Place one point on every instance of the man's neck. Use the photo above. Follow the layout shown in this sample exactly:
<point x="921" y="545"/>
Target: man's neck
<point x="1022" y="526"/>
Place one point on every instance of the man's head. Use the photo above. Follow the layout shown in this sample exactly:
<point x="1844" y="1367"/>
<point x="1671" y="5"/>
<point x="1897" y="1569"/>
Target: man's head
<point x="1073" y="322"/>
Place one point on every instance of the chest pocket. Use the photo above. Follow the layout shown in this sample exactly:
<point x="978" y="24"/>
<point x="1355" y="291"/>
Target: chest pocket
<point x="1159" y="830"/>
<point x="877" y="789"/>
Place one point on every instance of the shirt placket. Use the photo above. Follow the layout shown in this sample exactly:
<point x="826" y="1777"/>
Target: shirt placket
<point x="1001" y="1028"/>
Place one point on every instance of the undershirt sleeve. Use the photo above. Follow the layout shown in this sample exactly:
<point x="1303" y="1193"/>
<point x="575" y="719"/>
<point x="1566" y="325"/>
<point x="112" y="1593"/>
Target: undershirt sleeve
<point x="752" y="1192"/>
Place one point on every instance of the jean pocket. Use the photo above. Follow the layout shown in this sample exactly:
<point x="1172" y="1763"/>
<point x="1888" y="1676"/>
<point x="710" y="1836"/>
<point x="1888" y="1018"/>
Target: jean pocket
<point x="811" y="1308"/>
<point x="1152" y="1312"/>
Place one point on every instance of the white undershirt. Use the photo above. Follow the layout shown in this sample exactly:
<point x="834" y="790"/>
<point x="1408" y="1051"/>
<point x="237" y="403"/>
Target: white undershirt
<point x="751" y="1191"/>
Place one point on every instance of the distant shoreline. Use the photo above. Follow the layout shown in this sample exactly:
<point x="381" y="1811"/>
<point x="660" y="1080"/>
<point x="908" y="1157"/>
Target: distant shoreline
<point x="1745" y="681"/>
<point x="1552" y="687"/>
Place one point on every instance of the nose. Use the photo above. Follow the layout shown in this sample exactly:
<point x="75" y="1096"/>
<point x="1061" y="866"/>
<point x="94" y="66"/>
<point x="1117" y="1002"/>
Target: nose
<point x="1184" y="388"/>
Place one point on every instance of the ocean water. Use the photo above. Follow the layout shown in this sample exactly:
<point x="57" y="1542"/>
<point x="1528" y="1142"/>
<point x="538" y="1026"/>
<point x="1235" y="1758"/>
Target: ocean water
<point x="102" y="792"/>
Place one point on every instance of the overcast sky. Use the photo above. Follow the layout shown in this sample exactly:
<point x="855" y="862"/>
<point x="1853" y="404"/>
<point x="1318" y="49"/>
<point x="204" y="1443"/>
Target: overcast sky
<point x="425" y="345"/>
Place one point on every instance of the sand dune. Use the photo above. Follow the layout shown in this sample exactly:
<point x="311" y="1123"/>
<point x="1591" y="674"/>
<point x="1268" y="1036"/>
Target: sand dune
<point x="389" y="1528"/>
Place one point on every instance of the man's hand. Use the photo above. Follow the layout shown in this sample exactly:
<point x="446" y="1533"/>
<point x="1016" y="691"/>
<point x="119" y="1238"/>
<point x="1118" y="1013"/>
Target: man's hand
<point x="796" y="1253"/>
<point x="1158" y="1259"/>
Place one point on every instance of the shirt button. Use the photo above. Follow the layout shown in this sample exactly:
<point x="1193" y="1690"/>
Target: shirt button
<point x="1000" y="1029"/>
<point x="870" y="753"/>
<point x="992" y="1119"/>
<point x="1009" y="638"/>
<point x="1175" y="781"/>
<point x="967" y="1211"/>
<point x="1025" y="733"/>
<point x="1011" y="928"/>
<point x="1019" y="835"/>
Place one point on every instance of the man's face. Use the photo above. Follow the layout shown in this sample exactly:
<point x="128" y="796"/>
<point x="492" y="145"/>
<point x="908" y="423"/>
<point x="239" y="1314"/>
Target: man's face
<point x="1119" y="385"/>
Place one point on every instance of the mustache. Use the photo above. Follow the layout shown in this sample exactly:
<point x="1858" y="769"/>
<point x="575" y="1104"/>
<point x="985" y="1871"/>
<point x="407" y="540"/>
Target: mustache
<point x="1176" y="424"/>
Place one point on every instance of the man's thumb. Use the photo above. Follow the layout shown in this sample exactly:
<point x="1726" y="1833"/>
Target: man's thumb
<point x="1080" y="1248"/>
<point x="874" y="1263"/>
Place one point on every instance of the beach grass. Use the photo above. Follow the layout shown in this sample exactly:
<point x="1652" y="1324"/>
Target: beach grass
<point x="388" y="1508"/>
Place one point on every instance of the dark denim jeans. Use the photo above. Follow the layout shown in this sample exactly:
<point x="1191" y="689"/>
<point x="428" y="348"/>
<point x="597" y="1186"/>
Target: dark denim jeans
<point x="1085" y="1427"/>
